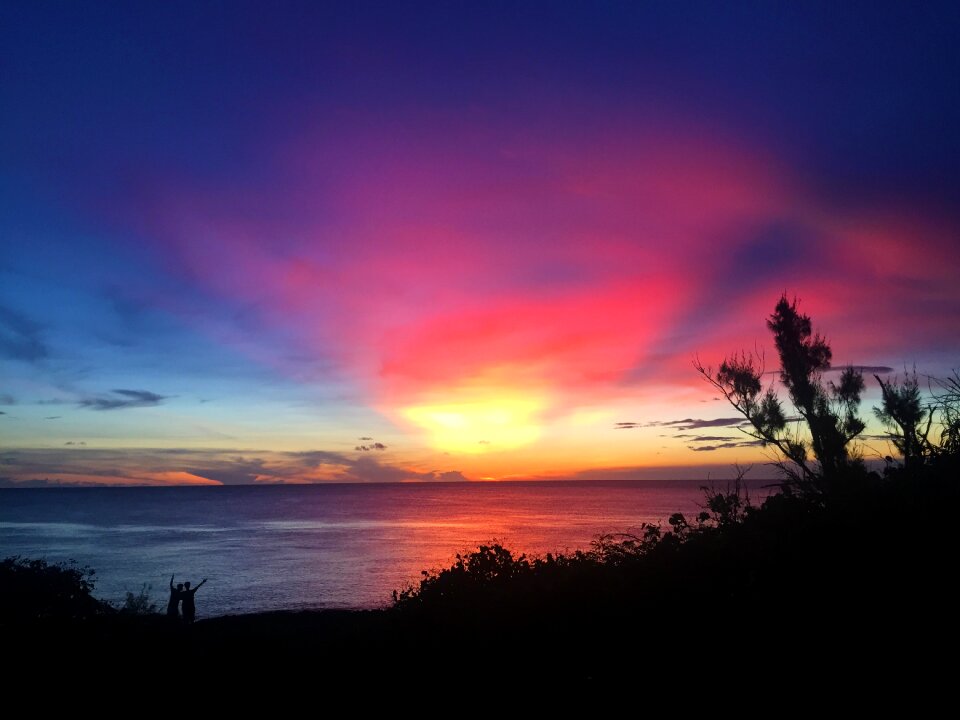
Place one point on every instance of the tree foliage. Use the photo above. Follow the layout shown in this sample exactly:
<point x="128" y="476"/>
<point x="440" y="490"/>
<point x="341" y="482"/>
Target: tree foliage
<point x="826" y="420"/>
<point x="906" y="419"/>
<point x="924" y="429"/>
<point x="38" y="590"/>
<point x="947" y="403"/>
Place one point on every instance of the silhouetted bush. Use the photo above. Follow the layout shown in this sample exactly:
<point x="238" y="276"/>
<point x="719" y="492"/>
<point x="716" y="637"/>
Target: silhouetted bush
<point x="493" y="576"/>
<point x="872" y="557"/>
<point x="36" y="589"/>
<point x="140" y="603"/>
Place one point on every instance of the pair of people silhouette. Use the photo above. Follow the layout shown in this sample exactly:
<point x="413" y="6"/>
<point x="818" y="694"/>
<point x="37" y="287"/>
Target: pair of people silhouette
<point x="183" y="594"/>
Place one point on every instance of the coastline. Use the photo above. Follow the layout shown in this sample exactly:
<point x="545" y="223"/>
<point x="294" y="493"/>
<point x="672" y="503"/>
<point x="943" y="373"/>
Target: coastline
<point x="805" y="583"/>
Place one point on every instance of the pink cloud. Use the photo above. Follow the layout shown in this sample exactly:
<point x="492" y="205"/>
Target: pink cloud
<point x="421" y="259"/>
<point x="138" y="478"/>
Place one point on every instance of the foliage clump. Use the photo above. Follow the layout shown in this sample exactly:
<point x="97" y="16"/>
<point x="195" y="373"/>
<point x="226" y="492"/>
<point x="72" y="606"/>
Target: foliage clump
<point x="38" y="590"/>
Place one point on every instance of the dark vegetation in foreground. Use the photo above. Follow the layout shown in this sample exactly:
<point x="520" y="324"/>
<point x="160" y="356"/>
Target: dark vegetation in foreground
<point x="843" y="569"/>
<point x="864" y="577"/>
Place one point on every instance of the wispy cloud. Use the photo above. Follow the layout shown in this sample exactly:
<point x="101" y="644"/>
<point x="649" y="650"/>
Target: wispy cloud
<point x="369" y="469"/>
<point x="77" y="463"/>
<point x="696" y="423"/>
<point x="703" y="438"/>
<point x="121" y="399"/>
<point x="726" y="445"/>
<point x="692" y="424"/>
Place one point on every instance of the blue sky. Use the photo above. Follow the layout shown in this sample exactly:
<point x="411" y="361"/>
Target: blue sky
<point x="481" y="235"/>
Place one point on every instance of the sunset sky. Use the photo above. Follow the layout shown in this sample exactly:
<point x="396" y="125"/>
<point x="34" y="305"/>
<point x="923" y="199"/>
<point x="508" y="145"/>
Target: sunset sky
<point x="298" y="242"/>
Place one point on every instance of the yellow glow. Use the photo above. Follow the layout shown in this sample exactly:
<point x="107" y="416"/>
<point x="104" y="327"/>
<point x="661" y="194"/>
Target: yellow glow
<point x="500" y="423"/>
<point x="588" y="417"/>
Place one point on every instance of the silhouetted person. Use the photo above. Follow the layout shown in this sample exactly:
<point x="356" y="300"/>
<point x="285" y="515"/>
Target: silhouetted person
<point x="189" y="609"/>
<point x="176" y="594"/>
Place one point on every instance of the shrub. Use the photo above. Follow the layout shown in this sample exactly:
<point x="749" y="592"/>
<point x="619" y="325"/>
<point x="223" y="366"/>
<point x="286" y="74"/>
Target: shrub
<point x="36" y="589"/>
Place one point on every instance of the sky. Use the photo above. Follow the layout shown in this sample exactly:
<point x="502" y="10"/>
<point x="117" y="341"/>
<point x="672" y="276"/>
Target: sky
<point x="363" y="242"/>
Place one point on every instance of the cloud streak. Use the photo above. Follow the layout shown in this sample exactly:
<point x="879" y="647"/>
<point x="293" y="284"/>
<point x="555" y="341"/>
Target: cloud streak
<point x="80" y="464"/>
<point x="726" y="446"/>
<point x="123" y="399"/>
<point x="697" y="424"/>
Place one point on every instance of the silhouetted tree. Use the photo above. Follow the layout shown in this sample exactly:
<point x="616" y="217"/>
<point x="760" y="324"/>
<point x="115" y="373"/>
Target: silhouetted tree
<point x="829" y="410"/>
<point x="947" y="404"/>
<point x="907" y="421"/>
<point x="911" y="417"/>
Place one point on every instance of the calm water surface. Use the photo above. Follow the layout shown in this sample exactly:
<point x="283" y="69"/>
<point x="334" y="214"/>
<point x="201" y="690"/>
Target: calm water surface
<point x="316" y="546"/>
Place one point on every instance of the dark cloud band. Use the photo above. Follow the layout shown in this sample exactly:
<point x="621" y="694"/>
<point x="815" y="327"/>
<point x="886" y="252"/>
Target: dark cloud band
<point x="122" y="399"/>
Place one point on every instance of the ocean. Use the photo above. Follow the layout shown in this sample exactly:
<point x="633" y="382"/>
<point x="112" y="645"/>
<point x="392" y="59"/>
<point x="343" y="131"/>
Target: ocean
<point x="313" y="546"/>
